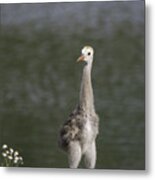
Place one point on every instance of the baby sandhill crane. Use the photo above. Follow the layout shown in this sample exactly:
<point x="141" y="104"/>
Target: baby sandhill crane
<point x="78" y="134"/>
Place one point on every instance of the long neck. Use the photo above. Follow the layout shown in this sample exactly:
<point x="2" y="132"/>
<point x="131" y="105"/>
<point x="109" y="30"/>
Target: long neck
<point x="86" y="92"/>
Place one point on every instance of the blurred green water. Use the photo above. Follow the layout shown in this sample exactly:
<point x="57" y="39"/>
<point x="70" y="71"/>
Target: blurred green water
<point x="39" y="87"/>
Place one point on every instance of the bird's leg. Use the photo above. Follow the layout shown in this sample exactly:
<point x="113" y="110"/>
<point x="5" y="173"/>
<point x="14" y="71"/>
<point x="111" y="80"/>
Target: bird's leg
<point x="74" y="154"/>
<point x="90" y="156"/>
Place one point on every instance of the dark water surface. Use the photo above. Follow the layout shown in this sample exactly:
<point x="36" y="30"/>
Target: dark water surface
<point x="39" y="79"/>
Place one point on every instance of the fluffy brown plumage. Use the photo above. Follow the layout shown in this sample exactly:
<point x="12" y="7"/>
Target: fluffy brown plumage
<point x="74" y="128"/>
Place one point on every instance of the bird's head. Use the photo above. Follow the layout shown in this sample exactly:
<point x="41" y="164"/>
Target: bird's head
<point x="86" y="54"/>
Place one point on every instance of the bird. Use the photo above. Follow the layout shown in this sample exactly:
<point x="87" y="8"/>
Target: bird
<point x="78" y="134"/>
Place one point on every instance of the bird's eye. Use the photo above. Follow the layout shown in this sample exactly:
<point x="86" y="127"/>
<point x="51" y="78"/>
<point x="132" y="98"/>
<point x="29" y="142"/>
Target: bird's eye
<point x="89" y="53"/>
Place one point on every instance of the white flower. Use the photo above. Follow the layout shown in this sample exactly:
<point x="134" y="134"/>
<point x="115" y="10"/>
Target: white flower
<point x="11" y="150"/>
<point x="4" y="154"/>
<point x="4" y="146"/>
<point x="20" y="158"/>
<point x="16" y="153"/>
<point x="10" y="157"/>
<point x="15" y="161"/>
<point x="7" y="152"/>
<point x="16" y="158"/>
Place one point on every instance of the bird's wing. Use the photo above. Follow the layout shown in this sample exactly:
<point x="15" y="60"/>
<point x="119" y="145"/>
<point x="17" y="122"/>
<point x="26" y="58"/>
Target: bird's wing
<point x="71" y="130"/>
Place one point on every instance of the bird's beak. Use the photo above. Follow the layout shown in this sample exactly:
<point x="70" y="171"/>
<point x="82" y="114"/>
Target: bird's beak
<point x="81" y="58"/>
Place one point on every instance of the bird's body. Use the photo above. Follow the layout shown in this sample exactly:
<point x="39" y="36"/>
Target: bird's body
<point x="78" y="134"/>
<point x="80" y="126"/>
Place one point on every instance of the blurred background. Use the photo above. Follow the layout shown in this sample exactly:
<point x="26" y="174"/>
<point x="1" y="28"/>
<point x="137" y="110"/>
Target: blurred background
<point x="40" y="79"/>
